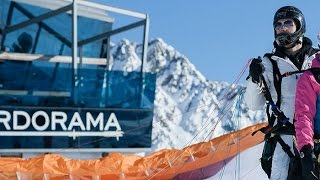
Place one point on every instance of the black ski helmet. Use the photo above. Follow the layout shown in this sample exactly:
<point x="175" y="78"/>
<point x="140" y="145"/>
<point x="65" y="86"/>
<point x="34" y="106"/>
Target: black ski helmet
<point x="289" y="12"/>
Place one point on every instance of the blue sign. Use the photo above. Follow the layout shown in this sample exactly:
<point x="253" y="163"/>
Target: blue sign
<point x="70" y="128"/>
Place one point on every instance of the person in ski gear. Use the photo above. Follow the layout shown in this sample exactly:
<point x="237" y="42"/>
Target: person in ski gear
<point x="307" y="118"/>
<point x="292" y="52"/>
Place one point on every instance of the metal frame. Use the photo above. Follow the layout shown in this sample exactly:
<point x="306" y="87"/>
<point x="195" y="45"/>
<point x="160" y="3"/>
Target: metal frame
<point x="75" y="45"/>
<point x="83" y="10"/>
<point x="37" y="19"/>
<point x="50" y="58"/>
<point x="85" y="150"/>
<point x="31" y="16"/>
<point x="75" y="61"/>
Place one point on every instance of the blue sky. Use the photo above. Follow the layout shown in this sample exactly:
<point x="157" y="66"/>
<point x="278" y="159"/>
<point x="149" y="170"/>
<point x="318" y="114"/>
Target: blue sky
<point x="218" y="37"/>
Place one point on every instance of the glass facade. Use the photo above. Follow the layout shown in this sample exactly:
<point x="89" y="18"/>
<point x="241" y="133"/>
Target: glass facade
<point x="44" y="97"/>
<point x="27" y="84"/>
<point x="51" y="36"/>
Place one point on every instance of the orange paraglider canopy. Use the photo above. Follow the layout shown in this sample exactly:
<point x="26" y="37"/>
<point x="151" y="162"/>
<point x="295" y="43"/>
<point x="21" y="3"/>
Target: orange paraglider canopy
<point x="163" y="164"/>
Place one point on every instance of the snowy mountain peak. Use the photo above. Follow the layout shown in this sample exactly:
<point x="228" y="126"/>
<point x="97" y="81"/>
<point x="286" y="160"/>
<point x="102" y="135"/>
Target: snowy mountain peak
<point x="126" y="57"/>
<point x="187" y="106"/>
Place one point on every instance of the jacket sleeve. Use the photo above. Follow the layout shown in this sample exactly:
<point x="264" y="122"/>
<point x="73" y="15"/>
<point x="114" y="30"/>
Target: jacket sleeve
<point x="253" y="98"/>
<point x="305" y="109"/>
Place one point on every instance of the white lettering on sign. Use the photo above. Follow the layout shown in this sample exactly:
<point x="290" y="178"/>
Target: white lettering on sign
<point x="58" y="120"/>
<point x="25" y="116"/>
<point x="112" y="122"/>
<point x="95" y="122"/>
<point x="45" y="118"/>
<point x="5" y="117"/>
<point x="58" y="117"/>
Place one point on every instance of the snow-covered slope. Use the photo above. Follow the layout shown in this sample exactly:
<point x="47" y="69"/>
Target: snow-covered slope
<point x="188" y="107"/>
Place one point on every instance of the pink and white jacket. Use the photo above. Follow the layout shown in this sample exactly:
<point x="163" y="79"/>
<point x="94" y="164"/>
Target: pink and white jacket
<point x="307" y="100"/>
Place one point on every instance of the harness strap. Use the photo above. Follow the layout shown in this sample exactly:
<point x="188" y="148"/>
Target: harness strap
<point x="288" y="129"/>
<point x="265" y="130"/>
<point x="286" y="148"/>
<point x="313" y="70"/>
<point x="277" y="80"/>
<point x="283" y="125"/>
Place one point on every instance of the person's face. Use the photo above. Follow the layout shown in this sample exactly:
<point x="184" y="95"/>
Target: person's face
<point x="285" y="26"/>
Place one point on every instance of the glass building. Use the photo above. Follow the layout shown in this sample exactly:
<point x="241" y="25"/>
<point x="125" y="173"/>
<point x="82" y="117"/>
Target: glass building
<point x="56" y="87"/>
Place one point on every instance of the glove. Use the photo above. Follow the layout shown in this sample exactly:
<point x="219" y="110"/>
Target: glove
<point x="308" y="163"/>
<point x="256" y="69"/>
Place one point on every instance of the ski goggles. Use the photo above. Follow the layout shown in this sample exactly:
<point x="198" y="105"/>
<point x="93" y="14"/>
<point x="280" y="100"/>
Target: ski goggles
<point x="287" y="24"/>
